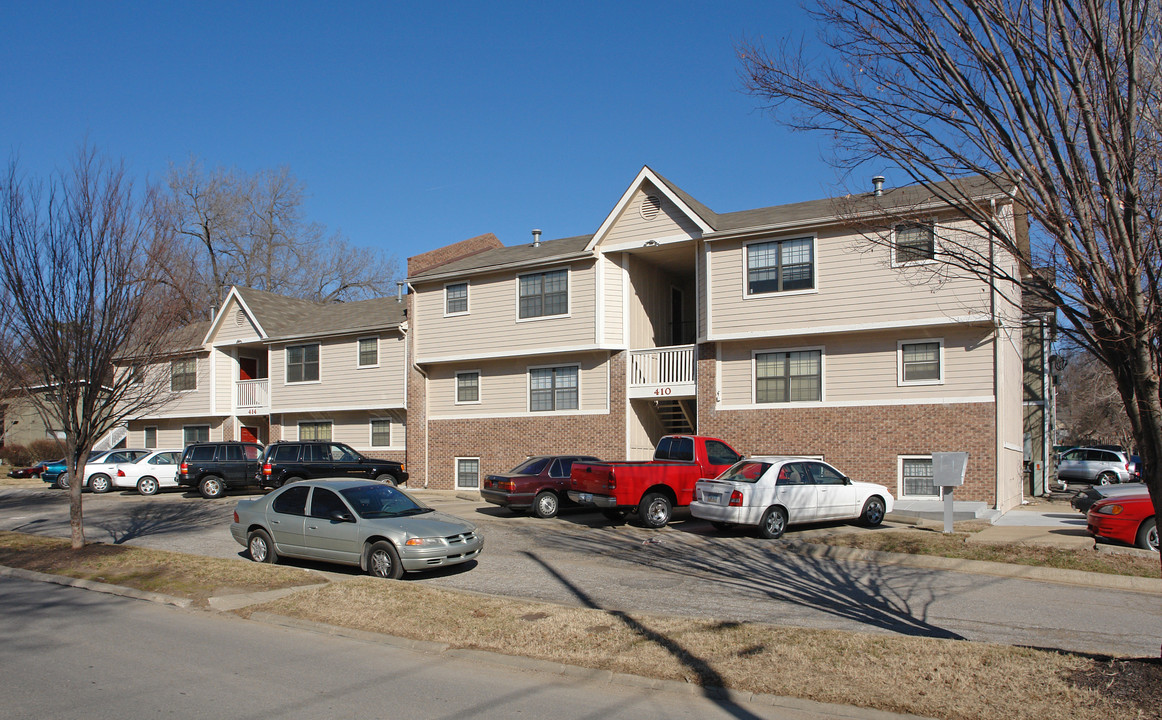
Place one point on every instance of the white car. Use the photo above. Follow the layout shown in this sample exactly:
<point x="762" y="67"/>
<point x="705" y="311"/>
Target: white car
<point x="774" y="492"/>
<point x="100" y="470"/>
<point x="151" y="473"/>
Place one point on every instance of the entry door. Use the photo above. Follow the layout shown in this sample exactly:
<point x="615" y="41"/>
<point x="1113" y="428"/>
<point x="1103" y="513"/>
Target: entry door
<point x="248" y="434"/>
<point x="247" y="368"/>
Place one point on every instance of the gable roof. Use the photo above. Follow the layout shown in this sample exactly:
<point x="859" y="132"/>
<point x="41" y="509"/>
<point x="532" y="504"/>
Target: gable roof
<point x="510" y="257"/>
<point x="278" y="317"/>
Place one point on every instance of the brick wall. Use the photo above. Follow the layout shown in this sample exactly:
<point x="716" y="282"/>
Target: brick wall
<point x="863" y="442"/>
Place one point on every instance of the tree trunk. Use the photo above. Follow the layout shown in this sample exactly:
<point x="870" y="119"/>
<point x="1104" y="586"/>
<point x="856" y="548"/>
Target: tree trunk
<point x="76" y="471"/>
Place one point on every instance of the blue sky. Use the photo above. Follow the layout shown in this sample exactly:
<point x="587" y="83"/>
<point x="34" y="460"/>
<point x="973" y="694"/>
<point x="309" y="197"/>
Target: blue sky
<point x="415" y="125"/>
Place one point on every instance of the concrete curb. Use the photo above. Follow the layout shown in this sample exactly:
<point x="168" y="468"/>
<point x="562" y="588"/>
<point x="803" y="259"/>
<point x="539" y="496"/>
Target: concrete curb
<point x="979" y="567"/>
<point x="584" y="674"/>
<point x="95" y="586"/>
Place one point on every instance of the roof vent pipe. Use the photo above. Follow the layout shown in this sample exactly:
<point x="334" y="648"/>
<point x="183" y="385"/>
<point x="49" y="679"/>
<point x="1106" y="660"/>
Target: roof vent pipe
<point x="878" y="184"/>
<point x="536" y="237"/>
<point x="398" y="291"/>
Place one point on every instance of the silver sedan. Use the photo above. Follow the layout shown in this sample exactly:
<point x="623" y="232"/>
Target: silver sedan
<point x="354" y="522"/>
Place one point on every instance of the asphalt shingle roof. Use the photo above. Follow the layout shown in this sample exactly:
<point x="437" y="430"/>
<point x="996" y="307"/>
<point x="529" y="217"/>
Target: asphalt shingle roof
<point x="547" y="251"/>
<point x="285" y="317"/>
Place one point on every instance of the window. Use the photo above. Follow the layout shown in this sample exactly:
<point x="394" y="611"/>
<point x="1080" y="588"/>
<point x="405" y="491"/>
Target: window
<point x="544" y="294"/>
<point x="921" y="363"/>
<point x="553" y="388"/>
<point x="456" y="299"/>
<point x="302" y="363"/>
<point x="368" y="354"/>
<point x="825" y="475"/>
<point x="916" y="477"/>
<point x="789" y="376"/>
<point x="794" y="474"/>
<point x="467" y="472"/>
<point x="380" y="433"/>
<point x="315" y="430"/>
<point x="780" y="266"/>
<point x="292" y="501"/>
<point x="468" y="387"/>
<point x="183" y="375"/>
<point x="915" y="242"/>
<point x="324" y="502"/>
<point x="285" y="453"/>
<point x="719" y="453"/>
<point x="203" y="453"/>
<point x="195" y="434"/>
<point x="151" y="437"/>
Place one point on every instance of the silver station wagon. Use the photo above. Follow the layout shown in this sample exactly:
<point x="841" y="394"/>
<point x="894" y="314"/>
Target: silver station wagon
<point x="378" y="527"/>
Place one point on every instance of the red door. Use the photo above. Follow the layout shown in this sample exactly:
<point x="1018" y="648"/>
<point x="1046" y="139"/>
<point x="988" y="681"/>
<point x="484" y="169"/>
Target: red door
<point x="248" y="434"/>
<point x="247" y="368"/>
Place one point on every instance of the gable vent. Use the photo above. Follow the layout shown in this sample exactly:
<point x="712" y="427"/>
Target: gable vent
<point x="239" y="318"/>
<point x="651" y="206"/>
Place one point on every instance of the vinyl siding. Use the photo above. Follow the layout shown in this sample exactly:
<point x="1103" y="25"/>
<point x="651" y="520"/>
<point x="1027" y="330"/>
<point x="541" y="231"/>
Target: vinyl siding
<point x="504" y="386"/>
<point x="350" y="427"/>
<point x="862" y="368"/>
<point x="225" y="373"/>
<point x="191" y="402"/>
<point x="855" y="284"/>
<point x="613" y="302"/>
<point x="491" y="324"/>
<point x="170" y="431"/>
<point x="341" y="383"/>
<point x="630" y="226"/>
<point x="230" y="330"/>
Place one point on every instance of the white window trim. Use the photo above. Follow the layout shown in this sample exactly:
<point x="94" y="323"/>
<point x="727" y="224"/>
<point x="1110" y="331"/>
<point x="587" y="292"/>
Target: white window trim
<point x="357" y="365"/>
<point x="299" y="429"/>
<point x="529" y="389"/>
<point x="914" y="263"/>
<point x="145" y="436"/>
<point x="568" y="295"/>
<point x="199" y="425"/>
<point x="754" y="377"/>
<point x="197" y="369"/>
<point x="456" y="472"/>
<point x="286" y="363"/>
<point x="456" y="387"/>
<point x="900" y="478"/>
<point x="467" y="297"/>
<point x="814" y="290"/>
<point x="371" y="432"/>
<point x="900" y="382"/>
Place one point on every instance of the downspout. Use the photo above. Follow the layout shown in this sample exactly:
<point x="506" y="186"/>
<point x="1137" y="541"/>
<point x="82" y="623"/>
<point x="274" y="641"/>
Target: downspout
<point x="998" y="445"/>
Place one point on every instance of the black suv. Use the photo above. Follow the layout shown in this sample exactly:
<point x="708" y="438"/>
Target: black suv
<point x="284" y="462"/>
<point x="212" y="467"/>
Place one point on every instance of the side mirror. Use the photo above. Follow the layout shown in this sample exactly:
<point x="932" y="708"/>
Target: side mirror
<point x="341" y="516"/>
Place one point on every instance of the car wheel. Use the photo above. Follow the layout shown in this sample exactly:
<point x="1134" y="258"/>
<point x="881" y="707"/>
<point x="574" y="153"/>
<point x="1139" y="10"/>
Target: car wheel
<point x="62" y="481"/>
<point x="654" y="510"/>
<point x="148" y="486"/>
<point x="873" y="512"/>
<point x="1107" y="478"/>
<point x="387" y="479"/>
<point x="260" y="547"/>
<point x="212" y="487"/>
<point x="546" y="504"/>
<point x="1148" y="535"/>
<point x="720" y="525"/>
<point x="383" y="561"/>
<point x="100" y="483"/>
<point x="773" y="524"/>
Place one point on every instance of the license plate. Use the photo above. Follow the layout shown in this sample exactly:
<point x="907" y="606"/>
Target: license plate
<point x="711" y="497"/>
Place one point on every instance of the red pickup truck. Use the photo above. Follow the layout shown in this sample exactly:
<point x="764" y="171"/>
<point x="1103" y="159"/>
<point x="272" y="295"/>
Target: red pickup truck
<point x="651" y="488"/>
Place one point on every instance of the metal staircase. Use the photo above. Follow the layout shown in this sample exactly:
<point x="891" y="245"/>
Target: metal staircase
<point x="676" y="416"/>
<point x="112" y="438"/>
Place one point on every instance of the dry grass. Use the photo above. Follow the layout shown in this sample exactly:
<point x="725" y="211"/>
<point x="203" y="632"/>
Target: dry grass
<point x="931" y="542"/>
<point x="935" y="678"/>
<point x="171" y="573"/>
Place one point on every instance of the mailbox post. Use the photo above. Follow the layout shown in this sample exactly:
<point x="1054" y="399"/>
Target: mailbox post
<point x="948" y="473"/>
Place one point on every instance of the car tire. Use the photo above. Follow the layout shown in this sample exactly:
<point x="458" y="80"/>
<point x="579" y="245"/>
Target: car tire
<point x="148" y="486"/>
<point x="1107" y="478"/>
<point x="1148" y="535"/>
<point x="387" y="479"/>
<point x="62" y="481"/>
<point x="873" y="511"/>
<point x="654" y="510"/>
<point x="773" y="524"/>
<point x="291" y="479"/>
<point x="260" y="547"/>
<point x="546" y="504"/>
<point x="212" y="487"/>
<point x="100" y="483"/>
<point x="383" y="561"/>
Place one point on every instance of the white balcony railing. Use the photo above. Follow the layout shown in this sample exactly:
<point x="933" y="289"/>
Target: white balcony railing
<point x="665" y="371"/>
<point x="252" y="393"/>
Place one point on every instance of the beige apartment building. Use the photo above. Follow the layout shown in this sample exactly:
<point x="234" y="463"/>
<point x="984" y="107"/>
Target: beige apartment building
<point x="794" y="329"/>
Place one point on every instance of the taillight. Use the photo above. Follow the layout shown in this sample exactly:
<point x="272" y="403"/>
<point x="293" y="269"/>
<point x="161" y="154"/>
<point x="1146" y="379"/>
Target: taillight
<point x="266" y="469"/>
<point x="120" y="472"/>
<point x="736" y="499"/>
<point x="506" y="485"/>
<point x="611" y="483"/>
<point x="235" y="516"/>
<point x="184" y="468"/>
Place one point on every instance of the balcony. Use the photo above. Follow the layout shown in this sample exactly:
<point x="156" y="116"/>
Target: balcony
<point x="665" y="372"/>
<point x="253" y="395"/>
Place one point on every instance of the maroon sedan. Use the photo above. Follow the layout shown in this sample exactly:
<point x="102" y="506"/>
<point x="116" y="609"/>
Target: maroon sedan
<point x="32" y="471"/>
<point x="1128" y="518"/>
<point x="539" y="483"/>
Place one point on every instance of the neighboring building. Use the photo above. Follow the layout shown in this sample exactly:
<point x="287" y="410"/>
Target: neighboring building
<point x="270" y="367"/>
<point x="780" y="330"/>
<point x="1040" y="391"/>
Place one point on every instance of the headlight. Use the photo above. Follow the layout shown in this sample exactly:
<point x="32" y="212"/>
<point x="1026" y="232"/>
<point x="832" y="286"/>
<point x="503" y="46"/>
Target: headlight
<point x="1110" y="510"/>
<point x="425" y="541"/>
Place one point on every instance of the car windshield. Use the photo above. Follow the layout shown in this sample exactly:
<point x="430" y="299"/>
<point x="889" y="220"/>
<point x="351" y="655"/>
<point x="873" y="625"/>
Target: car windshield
<point x="380" y="501"/>
<point x="532" y="466"/>
<point x="745" y="471"/>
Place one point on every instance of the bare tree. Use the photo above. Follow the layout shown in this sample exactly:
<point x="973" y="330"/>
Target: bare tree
<point x="1052" y="102"/>
<point x="1089" y="406"/>
<point x="79" y="264"/>
<point x="250" y="230"/>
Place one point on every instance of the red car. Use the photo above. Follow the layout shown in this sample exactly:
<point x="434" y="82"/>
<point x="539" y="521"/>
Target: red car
<point x="32" y="471"/>
<point x="1128" y="518"/>
<point x="539" y="483"/>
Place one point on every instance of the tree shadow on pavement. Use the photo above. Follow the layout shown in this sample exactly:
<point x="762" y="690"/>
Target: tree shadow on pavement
<point x="157" y="519"/>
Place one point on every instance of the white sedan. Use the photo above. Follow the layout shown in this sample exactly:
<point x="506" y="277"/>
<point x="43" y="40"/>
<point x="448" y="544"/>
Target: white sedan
<point x="774" y="492"/>
<point x="149" y="474"/>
